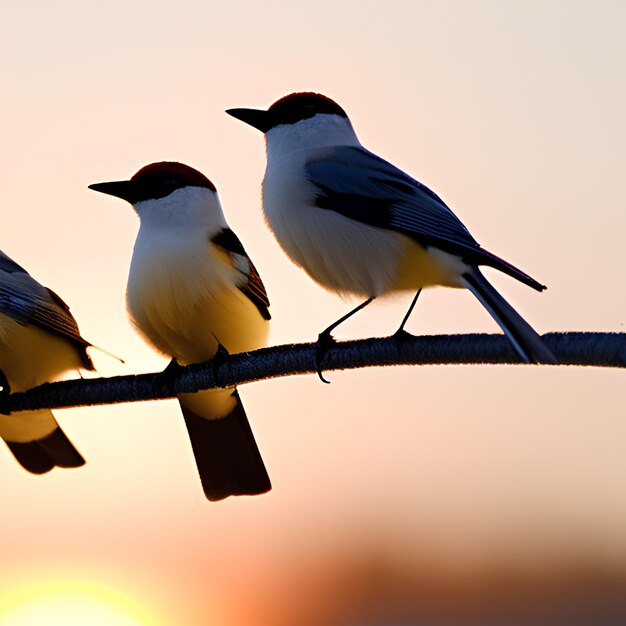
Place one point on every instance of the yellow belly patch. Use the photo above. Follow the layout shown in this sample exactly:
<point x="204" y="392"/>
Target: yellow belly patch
<point x="426" y="267"/>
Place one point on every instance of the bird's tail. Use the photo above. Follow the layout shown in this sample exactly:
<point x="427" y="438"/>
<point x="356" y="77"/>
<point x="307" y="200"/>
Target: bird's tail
<point x="40" y="455"/>
<point x="227" y="457"/>
<point x="527" y="343"/>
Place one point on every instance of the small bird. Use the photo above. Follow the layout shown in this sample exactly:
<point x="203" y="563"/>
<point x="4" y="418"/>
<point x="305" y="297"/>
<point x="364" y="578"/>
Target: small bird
<point x="39" y="341"/>
<point x="359" y="226"/>
<point x="193" y="292"/>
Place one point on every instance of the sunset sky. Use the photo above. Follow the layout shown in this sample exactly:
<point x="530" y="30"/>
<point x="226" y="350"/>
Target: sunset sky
<point x="387" y="483"/>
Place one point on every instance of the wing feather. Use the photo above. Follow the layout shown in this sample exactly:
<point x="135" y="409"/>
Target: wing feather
<point x="26" y="301"/>
<point x="253" y="288"/>
<point x="362" y="186"/>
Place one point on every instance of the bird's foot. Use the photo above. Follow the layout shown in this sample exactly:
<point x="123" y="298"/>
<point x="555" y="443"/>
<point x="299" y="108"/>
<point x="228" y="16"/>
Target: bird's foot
<point x="5" y="392"/>
<point x="170" y="373"/>
<point x="325" y="342"/>
<point x="172" y="369"/>
<point x="401" y="335"/>
<point x="217" y="361"/>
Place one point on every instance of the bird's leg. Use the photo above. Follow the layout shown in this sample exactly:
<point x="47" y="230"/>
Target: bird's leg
<point x="174" y="367"/>
<point x="220" y="356"/>
<point x="325" y="340"/>
<point x="5" y="392"/>
<point x="170" y="372"/>
<point x="401" y="333"/>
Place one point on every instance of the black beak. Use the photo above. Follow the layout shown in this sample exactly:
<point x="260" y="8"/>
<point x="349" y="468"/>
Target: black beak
<point x="257" y="118"/>
<point x="123" y="189"/>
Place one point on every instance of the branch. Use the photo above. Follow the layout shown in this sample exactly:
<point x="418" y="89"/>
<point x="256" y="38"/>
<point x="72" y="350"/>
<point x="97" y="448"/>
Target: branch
<point x="575" y="348"/>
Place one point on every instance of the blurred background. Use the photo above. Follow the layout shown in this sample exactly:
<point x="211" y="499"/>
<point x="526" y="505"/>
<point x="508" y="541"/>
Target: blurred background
<point x="402" y="496"/>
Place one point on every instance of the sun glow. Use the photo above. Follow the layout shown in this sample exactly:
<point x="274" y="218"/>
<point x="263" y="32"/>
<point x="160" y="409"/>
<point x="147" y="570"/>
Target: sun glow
<point x="71" y="603"/>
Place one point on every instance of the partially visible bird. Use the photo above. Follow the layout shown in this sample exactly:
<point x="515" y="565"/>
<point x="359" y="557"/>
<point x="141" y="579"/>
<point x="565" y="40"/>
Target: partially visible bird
<point x="39" y="341"/>
<point x="193" y="292"/>
<point x="360" y="226"/>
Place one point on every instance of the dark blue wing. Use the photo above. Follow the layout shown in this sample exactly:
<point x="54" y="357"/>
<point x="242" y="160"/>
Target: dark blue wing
<point x="362" y="186"/>
<point x="26" y="301"/>
<point x="48" y="312"/>
<point x="7" y="264"/>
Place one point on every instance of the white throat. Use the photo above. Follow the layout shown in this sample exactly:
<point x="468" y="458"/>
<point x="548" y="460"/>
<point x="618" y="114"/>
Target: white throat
<point x="320" y="131"/>
<point x="189" y="208"/>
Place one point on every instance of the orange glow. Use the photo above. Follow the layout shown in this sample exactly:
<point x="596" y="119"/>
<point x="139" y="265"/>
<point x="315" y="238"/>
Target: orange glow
<point x="71" y="603"/>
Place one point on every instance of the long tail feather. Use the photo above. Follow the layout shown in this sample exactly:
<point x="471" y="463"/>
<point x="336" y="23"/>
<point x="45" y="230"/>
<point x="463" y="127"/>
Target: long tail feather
<point x="41" y="455"/>
<point x="527" y="343"/>
<point x="228" y="459"/>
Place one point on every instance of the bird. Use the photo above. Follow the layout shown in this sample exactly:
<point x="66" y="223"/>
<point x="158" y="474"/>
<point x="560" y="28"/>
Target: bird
<point x="39" y="341"/>
<point x="194" y="294"/>
<point x="361" y="227"/>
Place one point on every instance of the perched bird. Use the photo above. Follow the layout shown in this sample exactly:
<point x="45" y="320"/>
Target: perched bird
<point x="39" y="341"/>
<point x="360" y="226"/>
<point x="192" y="291"/>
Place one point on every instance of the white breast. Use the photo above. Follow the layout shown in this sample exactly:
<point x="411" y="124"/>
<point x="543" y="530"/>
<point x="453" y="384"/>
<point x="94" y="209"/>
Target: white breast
<point x="341" y="254"/>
